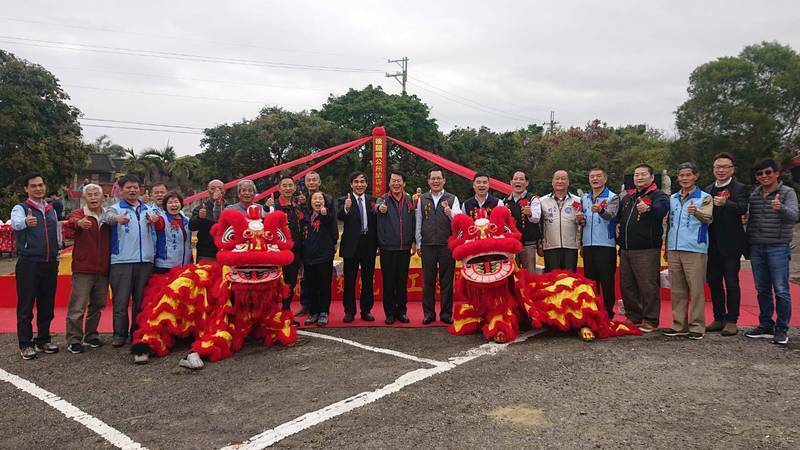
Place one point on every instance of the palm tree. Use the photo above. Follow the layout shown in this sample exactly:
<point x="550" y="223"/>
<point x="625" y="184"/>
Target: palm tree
<point x="140" y="164"/>
<point x="163" y="160"/>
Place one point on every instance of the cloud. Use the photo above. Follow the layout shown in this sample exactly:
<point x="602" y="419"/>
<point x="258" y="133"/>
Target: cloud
<point x="500" y="64"/>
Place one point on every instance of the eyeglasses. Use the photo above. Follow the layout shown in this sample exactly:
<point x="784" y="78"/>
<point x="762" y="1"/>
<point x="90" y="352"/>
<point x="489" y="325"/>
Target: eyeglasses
<point x="764" y="173"/>
<point x="725" y="167"/>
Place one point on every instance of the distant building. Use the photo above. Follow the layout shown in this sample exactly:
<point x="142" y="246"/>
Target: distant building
<point x="102" y="170"/>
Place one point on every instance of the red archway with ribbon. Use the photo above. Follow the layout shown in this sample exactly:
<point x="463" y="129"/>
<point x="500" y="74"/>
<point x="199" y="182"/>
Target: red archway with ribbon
<point x="379" y="140"/>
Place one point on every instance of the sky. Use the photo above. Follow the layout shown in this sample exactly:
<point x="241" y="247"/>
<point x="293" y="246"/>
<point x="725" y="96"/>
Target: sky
<point x="501" y="64"/>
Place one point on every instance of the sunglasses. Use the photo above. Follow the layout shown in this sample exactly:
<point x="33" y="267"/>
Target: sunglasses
<point x="764" y="173"/>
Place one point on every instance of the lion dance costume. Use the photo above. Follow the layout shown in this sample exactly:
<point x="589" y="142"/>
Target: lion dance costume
<point x="220" y="305"/>
<point x="499" y="294"/>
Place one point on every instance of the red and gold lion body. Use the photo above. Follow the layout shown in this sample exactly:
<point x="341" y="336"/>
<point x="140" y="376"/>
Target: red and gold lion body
<point x="499" y="294"/>
<point x="220" y="304"/>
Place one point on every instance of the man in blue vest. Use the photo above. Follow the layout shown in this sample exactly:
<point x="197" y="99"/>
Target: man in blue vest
<point x="598" y="241"/>
<point x="36" y="273"/>
<point x="132" y="251"/>
<point x="690" y="212"/>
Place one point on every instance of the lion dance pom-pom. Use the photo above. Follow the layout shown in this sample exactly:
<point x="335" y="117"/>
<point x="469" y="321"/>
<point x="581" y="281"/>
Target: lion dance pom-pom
<point x="498" y="293"/>
<point x="219" y="305"/>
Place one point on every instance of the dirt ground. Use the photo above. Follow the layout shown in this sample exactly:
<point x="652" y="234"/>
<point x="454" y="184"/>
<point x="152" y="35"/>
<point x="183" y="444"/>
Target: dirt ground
<point x="551" y="390"/>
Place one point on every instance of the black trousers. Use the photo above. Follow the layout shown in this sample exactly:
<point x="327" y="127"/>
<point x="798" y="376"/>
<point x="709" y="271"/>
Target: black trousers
<point x="36" y="286"/>
<point x="437" y="260"/>
<point x="364" y="260"/>
<point x="725" y="300"/>
<point x="394" y="268"/>
<point x="561" y="258"/>
<point x="290" y="278"/>
<point x="317" y="279"/>
<point x="600" y="265"/>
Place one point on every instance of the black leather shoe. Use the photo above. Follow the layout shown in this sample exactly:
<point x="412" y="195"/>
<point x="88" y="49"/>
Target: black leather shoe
<point x="403" y="318"/>
<point x="312" y="319"/>
<point x="389" y="320"/>
<point x="446" y="320"/>
<point x="367" y="317"/>
<point x="348" y="318"/>
<point x="427" y="320"/>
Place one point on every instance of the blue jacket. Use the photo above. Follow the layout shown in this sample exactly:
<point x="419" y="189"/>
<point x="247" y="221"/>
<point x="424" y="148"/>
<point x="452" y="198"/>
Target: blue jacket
<point x="686" y="232"/>
<point x="173" y="245"/>
<point x="133" y="242"/>
<point x="599" y="227"/>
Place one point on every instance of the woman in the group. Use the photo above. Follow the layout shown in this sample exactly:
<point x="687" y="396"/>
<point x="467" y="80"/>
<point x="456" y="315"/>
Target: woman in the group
<point x="320" y="234"/>
<point x="173" y="238"/>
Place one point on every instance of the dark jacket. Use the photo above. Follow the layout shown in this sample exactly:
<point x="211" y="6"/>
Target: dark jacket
<point x="726" y="231"/>
<point x="295" y="216"/>
<point x="766" y="225"/>
<point x="470" y="206"/>
<point x="205" y="242"/>
<point x="320" y="234"/>
<point x="351" y="233"/>
<point x="396" y="228"/>
<point x="91" y="253"/>
<point x="642" y="231"/>
<point x="39" y="243"/>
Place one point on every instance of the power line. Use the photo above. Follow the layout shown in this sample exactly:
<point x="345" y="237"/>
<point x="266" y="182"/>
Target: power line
<point x="204" y="80"/>
<point x="502" y="112"/>
<point x="141" y="123"/>
<point x="192" y="97"/>
<point x="141" y="129"/>
<point x="157" y="36"/>
<point x="551" y="125"/>
<point x="468" y="105"/>
<point x="177" y="56"/>
<point x="401" y="77"/>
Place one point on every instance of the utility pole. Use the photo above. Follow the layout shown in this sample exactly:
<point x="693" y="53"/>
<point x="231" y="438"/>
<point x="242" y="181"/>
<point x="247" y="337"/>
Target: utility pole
<point x="552" y="123"/>
<point x="401" y="77"/>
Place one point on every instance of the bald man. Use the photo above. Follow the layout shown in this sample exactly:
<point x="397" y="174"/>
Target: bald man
<point x="204" y="217"/>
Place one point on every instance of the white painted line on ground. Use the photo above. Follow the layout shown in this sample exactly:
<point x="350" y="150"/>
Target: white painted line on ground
<point x="110" y="434"/>
<point x="385" y="351"/>
<point x="313" y="418"/>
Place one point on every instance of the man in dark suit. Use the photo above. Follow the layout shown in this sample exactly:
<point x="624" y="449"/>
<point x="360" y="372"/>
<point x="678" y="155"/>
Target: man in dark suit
<point x="358" y="246"/>
<point x="727" y="244"/>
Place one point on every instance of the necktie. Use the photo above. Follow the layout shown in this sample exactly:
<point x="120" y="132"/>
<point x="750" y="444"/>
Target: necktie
<point x="363" y="214"/>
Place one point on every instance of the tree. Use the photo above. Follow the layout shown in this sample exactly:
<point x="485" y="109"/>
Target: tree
<point x="39" y="131"/>
<point x="141" y="165"/>
<point x="747" y="105"/>
<point x="405" y="117"/>
<point x="103" y="144"/>
<point x="274" y="137"/>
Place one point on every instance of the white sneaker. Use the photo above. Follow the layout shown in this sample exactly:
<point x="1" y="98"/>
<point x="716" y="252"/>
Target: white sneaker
<point x="141" y="359"/>
<point x="192" y="361"/>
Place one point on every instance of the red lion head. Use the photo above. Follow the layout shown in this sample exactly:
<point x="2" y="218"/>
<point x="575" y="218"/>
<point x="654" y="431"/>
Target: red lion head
<point x="254" y="249"/>
<point x="486" y="247"/>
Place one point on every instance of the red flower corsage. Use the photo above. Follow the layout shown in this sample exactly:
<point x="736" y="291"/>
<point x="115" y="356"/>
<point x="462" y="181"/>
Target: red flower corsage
<point x="315" y="224"/>
<point x="603" y="204"/>
<point x="372" y="205"/>
<point x="300" y="215"/>
<point x="576" y="204"/>
<point x="524" y="202"/>
<point x="726" y="193"/>
<point x="176" y="223"/>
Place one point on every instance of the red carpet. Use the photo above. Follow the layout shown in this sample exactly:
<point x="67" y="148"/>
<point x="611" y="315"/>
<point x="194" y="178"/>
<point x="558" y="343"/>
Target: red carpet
<point x="748" y="315"/>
